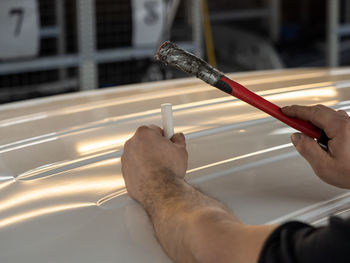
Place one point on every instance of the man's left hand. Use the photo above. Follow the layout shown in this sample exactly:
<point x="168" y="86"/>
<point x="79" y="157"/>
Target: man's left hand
<point x="149" y="159"/>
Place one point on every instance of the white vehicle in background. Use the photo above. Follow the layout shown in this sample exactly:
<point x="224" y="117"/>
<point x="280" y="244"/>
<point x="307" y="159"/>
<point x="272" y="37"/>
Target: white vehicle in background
<point x="62" y="195"/>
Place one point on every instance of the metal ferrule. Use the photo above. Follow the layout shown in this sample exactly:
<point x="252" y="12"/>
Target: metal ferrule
<point x="170" y="54"/>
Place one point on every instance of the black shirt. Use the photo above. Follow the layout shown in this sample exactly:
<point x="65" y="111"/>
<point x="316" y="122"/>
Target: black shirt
<point x="296" y="242"/>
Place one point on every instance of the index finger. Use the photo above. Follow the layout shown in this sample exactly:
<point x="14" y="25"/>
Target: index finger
<point x="320" y="115"/>
<point x="156" y="128"/>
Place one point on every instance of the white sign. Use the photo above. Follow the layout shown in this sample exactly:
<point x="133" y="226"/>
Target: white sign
<point x="19" y="28"/>
<point x="148" y="19"/>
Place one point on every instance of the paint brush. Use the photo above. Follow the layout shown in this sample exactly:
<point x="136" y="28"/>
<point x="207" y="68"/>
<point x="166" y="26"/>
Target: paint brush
<point x="172" y="55"/>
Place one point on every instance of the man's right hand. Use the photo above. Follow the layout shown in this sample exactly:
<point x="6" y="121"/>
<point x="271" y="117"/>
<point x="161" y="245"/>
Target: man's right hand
<point x="333" y="166"/>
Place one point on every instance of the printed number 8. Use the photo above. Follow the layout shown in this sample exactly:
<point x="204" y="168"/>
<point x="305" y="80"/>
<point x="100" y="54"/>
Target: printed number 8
<point x="152" y="15"/>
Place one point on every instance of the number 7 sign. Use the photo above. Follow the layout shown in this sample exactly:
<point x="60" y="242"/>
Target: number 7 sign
<point x="19" y="29"/>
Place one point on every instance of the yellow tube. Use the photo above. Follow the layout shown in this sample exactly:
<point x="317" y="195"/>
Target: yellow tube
<point x="208" y="37"/>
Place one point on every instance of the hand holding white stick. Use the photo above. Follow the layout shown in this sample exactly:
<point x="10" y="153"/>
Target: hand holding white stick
<point x="167" y="120"/>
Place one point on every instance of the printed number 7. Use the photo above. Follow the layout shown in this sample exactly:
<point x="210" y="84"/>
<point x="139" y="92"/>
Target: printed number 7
<point x="19" y="12"/>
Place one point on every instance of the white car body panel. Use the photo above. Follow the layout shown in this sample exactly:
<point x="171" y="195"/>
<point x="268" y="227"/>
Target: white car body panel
<point x="62" y="196"/>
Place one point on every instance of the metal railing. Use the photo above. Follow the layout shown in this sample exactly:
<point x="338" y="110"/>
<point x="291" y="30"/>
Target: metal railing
<point x="86" y="56"/>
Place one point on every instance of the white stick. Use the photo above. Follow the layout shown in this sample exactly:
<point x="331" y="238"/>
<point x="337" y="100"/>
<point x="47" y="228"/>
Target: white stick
<point x="167" y="120"/>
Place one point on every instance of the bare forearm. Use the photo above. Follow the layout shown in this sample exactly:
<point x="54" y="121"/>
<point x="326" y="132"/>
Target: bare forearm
<point x="174" y="210"/>
<point x="193" y="227"/>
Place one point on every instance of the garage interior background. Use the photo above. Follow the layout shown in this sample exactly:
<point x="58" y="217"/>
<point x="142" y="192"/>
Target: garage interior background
<point x="56" y="46"/>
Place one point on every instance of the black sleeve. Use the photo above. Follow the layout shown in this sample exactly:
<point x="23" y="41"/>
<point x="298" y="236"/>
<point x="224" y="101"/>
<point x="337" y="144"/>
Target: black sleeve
<point x="296" y="242"/>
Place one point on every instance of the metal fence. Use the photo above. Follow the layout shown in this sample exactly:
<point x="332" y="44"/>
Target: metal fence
<point x="86" y="44"/>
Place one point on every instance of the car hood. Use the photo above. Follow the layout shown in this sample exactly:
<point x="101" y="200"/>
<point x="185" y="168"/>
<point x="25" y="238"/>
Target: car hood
<point x="62" y="195"/>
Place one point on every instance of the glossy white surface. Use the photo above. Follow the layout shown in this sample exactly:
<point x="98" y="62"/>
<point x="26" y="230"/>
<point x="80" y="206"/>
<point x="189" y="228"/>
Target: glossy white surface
<point x="62" y="196"/>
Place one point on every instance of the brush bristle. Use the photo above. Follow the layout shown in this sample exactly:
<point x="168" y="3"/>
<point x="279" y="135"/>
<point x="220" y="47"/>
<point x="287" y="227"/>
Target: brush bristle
<point x="170" y="54"/>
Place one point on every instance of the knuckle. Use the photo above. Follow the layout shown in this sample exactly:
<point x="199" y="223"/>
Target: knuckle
<point x="320" y="106"/>
<point x="293" y="108"/>
<point x="344" y="125"/>
<point x="343" y="113"/>
<point x="316" y="111"/>
<point x="142" y="129"/>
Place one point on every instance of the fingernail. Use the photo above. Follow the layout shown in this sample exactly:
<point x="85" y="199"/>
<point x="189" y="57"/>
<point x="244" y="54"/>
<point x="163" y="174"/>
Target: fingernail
<point x="295" y="139"/>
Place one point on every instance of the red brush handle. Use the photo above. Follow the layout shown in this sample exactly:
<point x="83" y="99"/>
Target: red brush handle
<point x="251" y="98"/>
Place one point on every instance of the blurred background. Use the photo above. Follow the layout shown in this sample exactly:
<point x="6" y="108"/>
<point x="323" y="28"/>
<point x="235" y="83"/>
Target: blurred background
<point x="50" y="47"/>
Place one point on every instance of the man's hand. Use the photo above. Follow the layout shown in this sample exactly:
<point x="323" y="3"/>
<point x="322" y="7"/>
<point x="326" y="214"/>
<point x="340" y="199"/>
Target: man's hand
<point x="190" y="226"/>
<point x="333" y="166"/>
<point x="150" y="159"/>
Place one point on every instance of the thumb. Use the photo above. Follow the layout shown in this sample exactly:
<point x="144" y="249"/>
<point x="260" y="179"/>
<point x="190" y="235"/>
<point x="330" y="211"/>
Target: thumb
<point x="179" y="139"/>
<point x="309" y="149"/>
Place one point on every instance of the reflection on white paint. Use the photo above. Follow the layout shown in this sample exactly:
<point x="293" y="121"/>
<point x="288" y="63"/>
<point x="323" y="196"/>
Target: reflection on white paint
<point x="28" y="140"/>
<point x="107" y="198"/>
<point x="99" y="145"/>
<point x="345" y="108"/>
<point x="241" y="157"/>
<point x="304" y="94"/>
<point x="318" y="85"/>
<point x="108" y="162"/>
<point x="316" y="211"/>
<point x="39" y="212"/>
<point x="345" y="102"/>
<point x="104" y="104"/>
<point x="275" y="79"/>
<point x="339" y="71"/>
<point x="28" y="144"/>
<point x="23" y="119"/>
<point x="285" y="130"/>
<point x="4" y="184"/>
<point x="54" y="168"/>
<point x="52" y="191"/>
<point x="4" y="177"/>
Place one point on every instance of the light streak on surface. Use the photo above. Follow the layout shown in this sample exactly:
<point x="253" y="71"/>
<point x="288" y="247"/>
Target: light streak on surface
<point x="54" y="168"/>
<point x="101" y="105"/>
<point x="322" y="92"/>
<point x="99" y="145"/>
<point x="4" y="184"/>
<point x="112" y="142"/>
<point x="28" y="144"/>
<point x="23" y="119"/>
<point x="241" y="157"/>
<point x="28" y="140"/>
<point x="52" y="191"/>
<point x="112" y="161"/>
<point x="284" y="130"/>
<point x="39" y="212"/>
<point x="274" y="79"/>
<point x="4" y="177"/>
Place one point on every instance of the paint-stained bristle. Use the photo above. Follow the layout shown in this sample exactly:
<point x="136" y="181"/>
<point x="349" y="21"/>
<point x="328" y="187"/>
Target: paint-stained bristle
<point x="170" y="54"/>
<point x="162" y="51"/>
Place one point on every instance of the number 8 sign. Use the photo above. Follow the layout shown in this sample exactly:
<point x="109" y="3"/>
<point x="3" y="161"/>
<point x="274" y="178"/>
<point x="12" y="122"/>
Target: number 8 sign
<point x="19" y="28"/>
<point x="148" y="20"/>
